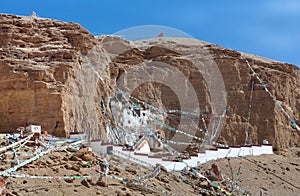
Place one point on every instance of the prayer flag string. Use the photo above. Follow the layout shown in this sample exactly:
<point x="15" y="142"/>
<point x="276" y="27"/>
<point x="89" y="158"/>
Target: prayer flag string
<point x="278" y="103"/>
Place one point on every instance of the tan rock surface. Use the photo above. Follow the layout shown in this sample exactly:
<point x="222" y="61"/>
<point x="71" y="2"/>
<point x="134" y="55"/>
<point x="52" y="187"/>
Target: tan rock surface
<point x="267" y="120"/>
<point x="42" y="75"/>
<point x="45" y="78"/>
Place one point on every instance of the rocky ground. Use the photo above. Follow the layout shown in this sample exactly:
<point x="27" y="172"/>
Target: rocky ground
<point x="276" y="174"/>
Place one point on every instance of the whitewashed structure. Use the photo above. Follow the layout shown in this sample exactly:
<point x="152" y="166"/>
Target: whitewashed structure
<point x="235" y="151"/>
<point x="135" y="123"/>
<point x="34" y="129"/>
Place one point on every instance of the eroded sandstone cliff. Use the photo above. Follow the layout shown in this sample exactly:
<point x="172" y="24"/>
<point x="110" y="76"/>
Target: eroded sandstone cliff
<point x="41" y="65"/>
<point x="267" y="120"/>
<point x="56" y="74"/>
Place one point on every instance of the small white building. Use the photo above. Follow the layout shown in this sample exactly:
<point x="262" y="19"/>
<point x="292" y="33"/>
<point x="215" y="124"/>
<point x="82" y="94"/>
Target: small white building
<point x="34" y="129"/>
<point x="135" y="123"/>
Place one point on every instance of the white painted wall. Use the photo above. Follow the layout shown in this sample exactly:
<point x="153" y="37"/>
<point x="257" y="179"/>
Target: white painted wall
<point x="136" y="124"/>
<point x="202" y="157"/>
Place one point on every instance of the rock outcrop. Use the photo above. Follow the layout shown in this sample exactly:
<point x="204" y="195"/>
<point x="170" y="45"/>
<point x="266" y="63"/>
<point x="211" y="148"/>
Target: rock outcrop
<point x="56" y="74"/>
<point x="267" y="121"/>
<point x="40" y="67"/>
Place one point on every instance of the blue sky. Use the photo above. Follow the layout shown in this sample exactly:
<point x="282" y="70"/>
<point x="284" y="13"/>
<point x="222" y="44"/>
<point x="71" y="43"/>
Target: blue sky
<point x="269" y="28"/>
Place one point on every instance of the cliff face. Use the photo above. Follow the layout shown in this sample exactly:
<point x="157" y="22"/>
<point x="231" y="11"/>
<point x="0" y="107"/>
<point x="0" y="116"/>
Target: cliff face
<point x="41" y="70"/>
<point x="50" y="75"/>
<point x="267" y="120"/>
